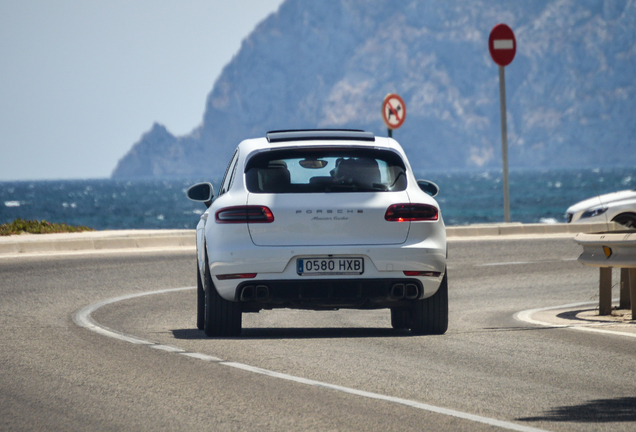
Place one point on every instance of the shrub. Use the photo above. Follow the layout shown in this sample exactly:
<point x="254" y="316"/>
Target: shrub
<point x="20" y="226"/>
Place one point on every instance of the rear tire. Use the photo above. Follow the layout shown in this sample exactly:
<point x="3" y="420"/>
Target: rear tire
<point x="400" y="318"/>
<point x="430" y="316"/>
<point x="221" y="317"/>
<point x="200" y="300"/>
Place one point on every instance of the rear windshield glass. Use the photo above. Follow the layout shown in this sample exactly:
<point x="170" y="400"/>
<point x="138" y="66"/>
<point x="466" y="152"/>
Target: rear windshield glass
<point x="318" y="170"/>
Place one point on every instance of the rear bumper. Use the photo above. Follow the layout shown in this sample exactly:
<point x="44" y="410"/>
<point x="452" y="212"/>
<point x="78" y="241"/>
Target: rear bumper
<point x="319" y="294"/>
<point x="381" y="263"/>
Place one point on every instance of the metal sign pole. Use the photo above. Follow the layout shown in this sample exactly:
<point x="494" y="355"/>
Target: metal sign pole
<point x="390" y="132"/>
<point x="504" y="142"/>
<point x="503" y="47"/>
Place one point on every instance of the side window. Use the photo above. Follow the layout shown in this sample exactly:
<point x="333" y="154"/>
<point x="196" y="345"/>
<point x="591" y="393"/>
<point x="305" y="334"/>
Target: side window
<point x="233" y="175"/>
<point x="229" y="174"/>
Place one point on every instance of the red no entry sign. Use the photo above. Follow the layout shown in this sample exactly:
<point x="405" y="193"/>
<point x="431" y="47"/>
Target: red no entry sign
<point x="393" y="111"/>
<point x="502" y="44"/>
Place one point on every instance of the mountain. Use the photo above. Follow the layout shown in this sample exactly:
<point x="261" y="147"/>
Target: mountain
<point x="570" y="89"/>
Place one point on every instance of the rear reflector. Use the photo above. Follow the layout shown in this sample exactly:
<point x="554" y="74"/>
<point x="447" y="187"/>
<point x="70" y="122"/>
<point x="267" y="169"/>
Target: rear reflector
<point x="422" y="273"/>
<point x="411" y="212"/>
<point x="244" y="214"/>
<point x="236" y="276"/>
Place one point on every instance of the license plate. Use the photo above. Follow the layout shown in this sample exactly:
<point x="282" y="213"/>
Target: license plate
<point x="329" y="266"/>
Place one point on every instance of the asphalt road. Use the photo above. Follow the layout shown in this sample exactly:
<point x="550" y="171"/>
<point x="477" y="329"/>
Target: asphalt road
<point x="56" y="375"/>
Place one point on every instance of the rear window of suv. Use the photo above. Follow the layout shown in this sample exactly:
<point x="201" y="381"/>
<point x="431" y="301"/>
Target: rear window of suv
<point x="320" y="170"/>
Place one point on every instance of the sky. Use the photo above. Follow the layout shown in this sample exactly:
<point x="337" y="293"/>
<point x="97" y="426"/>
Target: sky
<point x="82" y="80"/>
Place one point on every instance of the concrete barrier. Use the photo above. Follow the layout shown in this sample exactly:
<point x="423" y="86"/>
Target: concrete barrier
<point x="144" y="239"/>
<point x="528" y="229"/>
<point x="95" y="240"/>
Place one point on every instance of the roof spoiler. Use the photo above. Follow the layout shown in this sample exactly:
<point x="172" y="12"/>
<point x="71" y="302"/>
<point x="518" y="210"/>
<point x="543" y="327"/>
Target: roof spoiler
<point x="319" y="134"/>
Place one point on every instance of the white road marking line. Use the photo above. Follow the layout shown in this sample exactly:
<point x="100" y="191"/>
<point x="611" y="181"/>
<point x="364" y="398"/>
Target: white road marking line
<point x="203" y="357"/>
<point x="506" y="263"/>
<point x="526" y="316"/>
<point x="83" y="319"/>
<point x="168" y="348"/>
<point x="520" y="262"/>
<point x="410" y="403"/>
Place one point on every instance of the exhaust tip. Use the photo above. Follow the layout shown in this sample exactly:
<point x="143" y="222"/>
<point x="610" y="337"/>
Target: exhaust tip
<point x="397" y="291"/>
<point x="262" y="293"/>
<point x="247" y="294"/>
<point x="412" y="291"/>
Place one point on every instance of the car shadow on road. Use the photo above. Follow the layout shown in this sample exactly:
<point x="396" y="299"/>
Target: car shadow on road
<point x="300" y="333"/>
<point x="622" y="409"/>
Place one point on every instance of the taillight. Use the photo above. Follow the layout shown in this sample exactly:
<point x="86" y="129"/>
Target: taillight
<point x="411" y="212"/>
<point x="244" y="214"/>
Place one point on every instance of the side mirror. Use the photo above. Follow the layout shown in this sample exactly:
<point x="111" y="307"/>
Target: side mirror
<point x="201" y="192"/>
<point x="428" y="187"/>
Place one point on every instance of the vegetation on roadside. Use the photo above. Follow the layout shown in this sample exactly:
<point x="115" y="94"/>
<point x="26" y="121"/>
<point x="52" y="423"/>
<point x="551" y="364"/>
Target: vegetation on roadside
<point x="20" y="226"/>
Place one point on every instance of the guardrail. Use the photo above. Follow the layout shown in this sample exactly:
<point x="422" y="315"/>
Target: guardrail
<point x="615" y="249"/>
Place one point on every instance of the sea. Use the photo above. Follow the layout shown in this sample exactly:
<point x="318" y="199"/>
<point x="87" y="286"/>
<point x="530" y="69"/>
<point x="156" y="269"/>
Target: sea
<point x="466" y="197"/>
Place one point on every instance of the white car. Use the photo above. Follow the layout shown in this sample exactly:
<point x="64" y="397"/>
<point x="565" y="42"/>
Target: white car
<point x="619" y="207"/>
<point x="321" y="220"/>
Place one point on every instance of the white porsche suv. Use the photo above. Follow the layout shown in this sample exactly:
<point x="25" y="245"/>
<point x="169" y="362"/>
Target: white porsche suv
<point x="321" y="220"/>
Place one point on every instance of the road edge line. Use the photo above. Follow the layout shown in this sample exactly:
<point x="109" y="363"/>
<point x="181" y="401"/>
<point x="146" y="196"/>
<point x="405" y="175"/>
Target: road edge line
<point x="83" y="319"/>
<point x="526" y="316"/>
